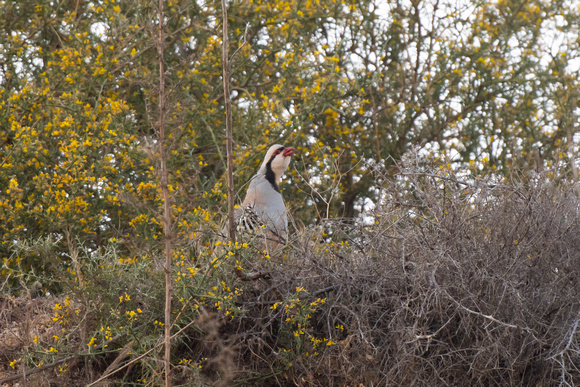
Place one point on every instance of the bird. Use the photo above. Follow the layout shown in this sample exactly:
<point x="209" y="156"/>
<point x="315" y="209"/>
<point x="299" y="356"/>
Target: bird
<point x="263" y="206"/>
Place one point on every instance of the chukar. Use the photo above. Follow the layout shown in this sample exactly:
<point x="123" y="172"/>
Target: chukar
<point x="263" y="204"/>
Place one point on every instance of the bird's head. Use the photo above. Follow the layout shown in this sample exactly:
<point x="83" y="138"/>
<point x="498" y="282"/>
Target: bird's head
<point x="277" y="159"/>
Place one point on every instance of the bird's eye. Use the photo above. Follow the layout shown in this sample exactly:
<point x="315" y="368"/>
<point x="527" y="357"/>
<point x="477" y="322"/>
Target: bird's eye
<point x="276" y="152"/>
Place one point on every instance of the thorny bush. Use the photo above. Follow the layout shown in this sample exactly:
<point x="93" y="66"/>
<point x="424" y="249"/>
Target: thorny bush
<point x="454" y="283"/>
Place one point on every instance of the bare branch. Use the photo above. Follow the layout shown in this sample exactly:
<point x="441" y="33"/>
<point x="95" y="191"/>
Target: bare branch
<point x="165" y="192"/>
<point x="229" y="135"/>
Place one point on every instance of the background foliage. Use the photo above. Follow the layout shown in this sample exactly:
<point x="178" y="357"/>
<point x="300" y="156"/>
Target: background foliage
<point x="480" y="88"/>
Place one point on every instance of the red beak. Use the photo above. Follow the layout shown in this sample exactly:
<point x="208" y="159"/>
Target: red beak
<point x="289" y="151"/>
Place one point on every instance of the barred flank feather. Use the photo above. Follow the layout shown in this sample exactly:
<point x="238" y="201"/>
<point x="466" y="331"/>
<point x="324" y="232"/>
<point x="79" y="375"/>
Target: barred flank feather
<point x="249" y="221"/>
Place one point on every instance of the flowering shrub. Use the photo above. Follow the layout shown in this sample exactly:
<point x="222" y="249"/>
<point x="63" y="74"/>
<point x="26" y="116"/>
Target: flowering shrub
<point x="352" y="85"/>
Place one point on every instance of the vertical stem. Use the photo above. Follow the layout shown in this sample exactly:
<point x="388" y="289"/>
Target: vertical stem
<point x="571" y="156"/>
<point x="571" y="153"/>
<point x="229" y="136"/>
<point x="166" y="207"/>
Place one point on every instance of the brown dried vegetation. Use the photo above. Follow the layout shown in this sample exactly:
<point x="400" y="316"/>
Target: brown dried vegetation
<point x="456" y="283"/>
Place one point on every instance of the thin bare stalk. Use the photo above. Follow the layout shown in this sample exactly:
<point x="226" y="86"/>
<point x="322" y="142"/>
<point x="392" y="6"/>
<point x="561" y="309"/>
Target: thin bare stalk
<point x="570" y="135"/>
<point x="229" y="136"/>
<point x="165" y="192"/>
